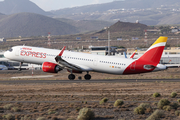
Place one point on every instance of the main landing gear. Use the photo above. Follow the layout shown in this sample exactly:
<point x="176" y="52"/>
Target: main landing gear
<point x="86" y="77"/>
<point x="71" y="77"/>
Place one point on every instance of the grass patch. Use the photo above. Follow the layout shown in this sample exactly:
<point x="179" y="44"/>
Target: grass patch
<point x="167" y="108"/>
<point x="173" y="94"/>
<point x="162" y="103"/>
<point x="141" y="109"/>
<point x="177" y="113"/>
<point x="156" y="115"/>
<point x="9" y="116"/>
<point x="8" y="106"/>
<point x="118" y="103"/>
<point x="16" y="109"/>
<point x="86" y="114"/>
<point x="104" y="100"/>
<point x="41" y="118"/>
<point x="25" y="118"/>
<point x="156" y="94"/>
<point x="50" y="111"/>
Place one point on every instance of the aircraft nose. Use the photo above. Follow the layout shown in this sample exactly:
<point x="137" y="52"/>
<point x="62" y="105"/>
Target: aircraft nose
<point x="6" y="54"/>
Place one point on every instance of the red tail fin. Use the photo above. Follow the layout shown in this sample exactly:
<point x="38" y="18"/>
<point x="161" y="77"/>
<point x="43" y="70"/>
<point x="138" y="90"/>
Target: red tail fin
<point x="149" y="60"/>
<point x="153" y="54"/>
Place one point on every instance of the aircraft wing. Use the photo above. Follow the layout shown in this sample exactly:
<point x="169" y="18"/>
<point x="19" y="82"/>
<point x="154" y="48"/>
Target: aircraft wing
<point x="64" y="64"/>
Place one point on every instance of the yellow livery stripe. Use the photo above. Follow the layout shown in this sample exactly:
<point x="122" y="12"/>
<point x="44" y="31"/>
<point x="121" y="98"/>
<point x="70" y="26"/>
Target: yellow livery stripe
<point x="160" y="40"/>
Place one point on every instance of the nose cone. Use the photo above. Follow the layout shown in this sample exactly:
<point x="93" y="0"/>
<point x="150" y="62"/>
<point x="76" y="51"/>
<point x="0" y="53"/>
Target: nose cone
<point x="6" y="54"/>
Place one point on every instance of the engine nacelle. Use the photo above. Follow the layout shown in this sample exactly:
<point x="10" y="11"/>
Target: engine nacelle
<point x="51" y="67"/>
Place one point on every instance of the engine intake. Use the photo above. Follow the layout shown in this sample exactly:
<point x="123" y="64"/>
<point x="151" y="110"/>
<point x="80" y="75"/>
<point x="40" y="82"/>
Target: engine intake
<point x="51" y="67"/>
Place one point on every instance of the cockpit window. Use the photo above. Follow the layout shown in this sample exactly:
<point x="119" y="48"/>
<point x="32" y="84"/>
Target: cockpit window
<point x="11" y="50"/>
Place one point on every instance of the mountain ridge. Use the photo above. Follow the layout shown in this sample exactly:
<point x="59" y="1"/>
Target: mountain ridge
<point x="31" y="24"/>
<point x="17" y="6"/>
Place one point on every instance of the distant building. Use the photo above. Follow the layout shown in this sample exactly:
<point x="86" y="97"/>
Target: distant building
<point x="2" y="40"/>
<point x="102" y="50"/>
<point x="119" y="38"/>
<point x="174" y="30"/>
<point x="94" y="37"/>
<point x="78" y="38"/>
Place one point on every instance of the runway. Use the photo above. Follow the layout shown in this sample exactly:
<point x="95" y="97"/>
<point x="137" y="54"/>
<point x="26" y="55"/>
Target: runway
<point x="88" y="81"/>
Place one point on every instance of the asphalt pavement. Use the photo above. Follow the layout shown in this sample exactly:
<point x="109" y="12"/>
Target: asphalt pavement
<point x="88" y="81"/>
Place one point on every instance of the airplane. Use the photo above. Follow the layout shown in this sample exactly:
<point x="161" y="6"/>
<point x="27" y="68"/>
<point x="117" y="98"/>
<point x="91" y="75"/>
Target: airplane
<point x="53" y="60"/>
<point x="3" y="67"/>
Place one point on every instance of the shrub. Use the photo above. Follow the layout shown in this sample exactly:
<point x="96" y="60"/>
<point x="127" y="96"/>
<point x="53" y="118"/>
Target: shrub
<point x="9" y="116"/>
<point x="71" y="119"/>
<point x="177" y="113"/>
<point x="174" y="105"/>
<point x="41" y="118"/>
<point x="8" y="106"/>
<point x="145" y="105"/>
<point x="142" y="108"/>
<point x="162" y="103"/>
<point x="16" y="109"/>
<point x="167" y="108"/>
<point x="118" y="103"/>
<point x="86" y="114"/>
<point x="50" y="111"/>
<point x="25" y="118"/>
<point x="156" y="94"/>
<point x="178" y="100"/>
<point x="54" y="118"/>
<point x="173" y="94"/>
<point x="156" y="115"/>
<point x="104" y="100"/>
<point x="139" y="110"/>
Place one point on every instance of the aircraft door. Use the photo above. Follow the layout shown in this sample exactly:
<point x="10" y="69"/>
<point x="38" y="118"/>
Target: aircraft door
<point x="17" y="52"/>
<point x="95" y="62"/>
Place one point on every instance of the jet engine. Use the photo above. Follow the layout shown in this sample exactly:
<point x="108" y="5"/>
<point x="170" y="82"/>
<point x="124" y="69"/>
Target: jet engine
<point x="51" y="67"/>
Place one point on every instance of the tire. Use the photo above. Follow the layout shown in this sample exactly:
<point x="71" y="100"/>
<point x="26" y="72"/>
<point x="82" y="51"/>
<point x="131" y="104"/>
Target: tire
<point x="71" y="77"/>
<point x="87" y="77"/>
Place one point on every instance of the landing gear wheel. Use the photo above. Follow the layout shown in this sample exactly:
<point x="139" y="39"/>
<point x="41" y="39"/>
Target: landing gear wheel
<point x="71" y="77"/>
<point x="87" y="77"/>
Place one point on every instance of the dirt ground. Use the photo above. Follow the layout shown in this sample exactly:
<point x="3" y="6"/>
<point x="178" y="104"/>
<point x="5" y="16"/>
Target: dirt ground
<point x="61" y="101"/>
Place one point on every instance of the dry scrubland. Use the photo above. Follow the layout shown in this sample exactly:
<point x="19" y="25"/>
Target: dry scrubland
<point x="62" y="101"/>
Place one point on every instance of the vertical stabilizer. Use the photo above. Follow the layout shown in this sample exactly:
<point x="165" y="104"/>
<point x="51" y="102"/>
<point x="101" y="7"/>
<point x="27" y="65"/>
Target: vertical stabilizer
<point x="154" y="53"/>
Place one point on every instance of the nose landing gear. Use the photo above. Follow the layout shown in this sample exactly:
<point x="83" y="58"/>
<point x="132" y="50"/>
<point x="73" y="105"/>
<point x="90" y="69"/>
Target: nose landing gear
<point x="19" y="69"/>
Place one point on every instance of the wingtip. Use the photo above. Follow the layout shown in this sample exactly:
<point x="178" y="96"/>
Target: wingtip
<point x="62" y="51"/>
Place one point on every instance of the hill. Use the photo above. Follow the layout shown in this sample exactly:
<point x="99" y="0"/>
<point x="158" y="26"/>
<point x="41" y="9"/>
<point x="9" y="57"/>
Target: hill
<point x="18" y="6"/>
<point x="87" y="25"/>
<point x="30" y="24"/>
<point x="126" y="26"/>
<point x="2" y="15"/>
<point x="124" y="30"/>
<point x="126" y="4"/>
<point x="150" y="12"/>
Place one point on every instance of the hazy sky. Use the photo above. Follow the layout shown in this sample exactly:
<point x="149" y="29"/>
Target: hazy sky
<point x="48" y="5"/>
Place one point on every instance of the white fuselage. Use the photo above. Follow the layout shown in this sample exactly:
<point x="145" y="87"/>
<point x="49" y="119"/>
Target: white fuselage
<point x="87" y="62"/>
